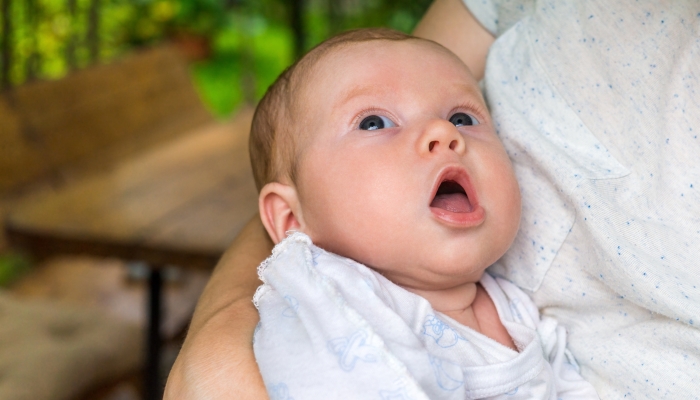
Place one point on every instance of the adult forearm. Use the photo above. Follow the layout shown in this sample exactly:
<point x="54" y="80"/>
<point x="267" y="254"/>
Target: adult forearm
<point x="450" y="23"/>
<point x="235" y="277"/>
<point x="217" y="360"/>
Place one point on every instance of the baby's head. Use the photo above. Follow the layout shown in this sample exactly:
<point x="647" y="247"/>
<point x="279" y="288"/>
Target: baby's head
<point x="379" y="146"/>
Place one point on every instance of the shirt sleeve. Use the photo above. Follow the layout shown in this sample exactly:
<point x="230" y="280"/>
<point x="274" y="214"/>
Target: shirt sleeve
<point x="497" y="16"/>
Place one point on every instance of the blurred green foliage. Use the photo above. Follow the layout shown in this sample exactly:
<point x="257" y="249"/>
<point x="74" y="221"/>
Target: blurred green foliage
<point x="12" y="266"/>
<point x="257" y="43"/>
<point x="249" y="41"/>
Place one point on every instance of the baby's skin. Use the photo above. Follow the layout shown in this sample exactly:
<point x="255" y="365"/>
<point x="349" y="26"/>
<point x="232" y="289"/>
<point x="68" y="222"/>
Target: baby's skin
<point x="401" y="170"/>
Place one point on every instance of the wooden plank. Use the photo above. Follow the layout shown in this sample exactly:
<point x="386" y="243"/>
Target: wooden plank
<point x="182" y="203"/>
<point x="119" y="205"/>
<point x="71" y="123"/>
<point x="42" y="245"/>
<point x="19" y="161"/>
<point x="158" y="64"/>
<point x="212" y="220"/>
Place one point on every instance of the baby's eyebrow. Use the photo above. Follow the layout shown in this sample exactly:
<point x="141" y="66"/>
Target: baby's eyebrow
<point x="471" y="89"/>
<point x="358" y="91"/>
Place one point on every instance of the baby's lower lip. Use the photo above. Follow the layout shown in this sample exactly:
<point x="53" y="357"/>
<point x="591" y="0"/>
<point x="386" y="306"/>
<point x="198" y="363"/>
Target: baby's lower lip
<point x="460" y="219"/>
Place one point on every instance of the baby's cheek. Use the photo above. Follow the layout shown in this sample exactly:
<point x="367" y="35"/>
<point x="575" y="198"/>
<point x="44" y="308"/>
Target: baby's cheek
<point x="334" y="217"/>
<point x="510" y="211"/>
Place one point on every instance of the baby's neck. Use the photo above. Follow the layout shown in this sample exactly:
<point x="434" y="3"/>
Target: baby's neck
<point x="455" y="302"/>
<point x="470" y="305"/>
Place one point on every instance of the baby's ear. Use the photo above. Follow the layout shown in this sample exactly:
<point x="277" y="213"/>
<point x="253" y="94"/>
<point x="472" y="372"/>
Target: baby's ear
<point x="279" y="210"/>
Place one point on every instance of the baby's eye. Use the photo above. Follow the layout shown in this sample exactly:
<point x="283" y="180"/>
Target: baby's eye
<point x="462" y="119"/>
<point x="374" y="122"/>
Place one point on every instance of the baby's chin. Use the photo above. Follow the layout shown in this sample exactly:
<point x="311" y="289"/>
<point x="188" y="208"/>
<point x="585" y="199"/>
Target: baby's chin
<point x="433" y="277"/>
<point x="417" y="263"/>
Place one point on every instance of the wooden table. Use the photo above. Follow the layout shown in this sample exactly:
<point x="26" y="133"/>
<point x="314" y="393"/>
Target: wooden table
<point x="181" y="204"/>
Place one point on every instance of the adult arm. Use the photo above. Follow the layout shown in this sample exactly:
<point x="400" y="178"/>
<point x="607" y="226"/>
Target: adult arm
<point x="450" y="23"/>
<point x="217" y="361"/>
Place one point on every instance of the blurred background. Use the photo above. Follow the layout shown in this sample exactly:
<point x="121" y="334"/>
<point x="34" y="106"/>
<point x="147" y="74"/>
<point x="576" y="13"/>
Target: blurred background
<point x="237" y="47"/>
<point x="115" y="118"/>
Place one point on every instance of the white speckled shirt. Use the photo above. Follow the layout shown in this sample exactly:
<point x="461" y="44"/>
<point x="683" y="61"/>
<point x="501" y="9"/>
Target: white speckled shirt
<point x="598" y="105"/>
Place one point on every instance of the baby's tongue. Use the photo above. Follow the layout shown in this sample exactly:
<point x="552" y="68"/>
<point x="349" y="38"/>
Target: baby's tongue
<point x="453" y="202"/>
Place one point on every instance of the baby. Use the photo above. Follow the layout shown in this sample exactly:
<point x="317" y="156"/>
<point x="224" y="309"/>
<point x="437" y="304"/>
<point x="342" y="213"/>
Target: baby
<point x="377" y="149"/>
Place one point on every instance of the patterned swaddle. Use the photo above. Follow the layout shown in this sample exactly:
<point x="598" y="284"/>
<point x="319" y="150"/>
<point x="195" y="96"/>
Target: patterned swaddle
<point x="333" y="328"/>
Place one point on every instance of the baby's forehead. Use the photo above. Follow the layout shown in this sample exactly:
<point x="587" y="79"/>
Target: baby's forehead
<point x="325" y="71"/>
<point x="370" y="65"/>
<point x="353" y="50"/>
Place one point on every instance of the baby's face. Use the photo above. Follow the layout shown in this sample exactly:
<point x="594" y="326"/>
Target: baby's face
<point x="403" y="170"/>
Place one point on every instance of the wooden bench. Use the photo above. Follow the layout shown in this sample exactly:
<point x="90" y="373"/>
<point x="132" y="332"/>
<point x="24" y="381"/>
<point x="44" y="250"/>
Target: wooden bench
<point x="122" y="160"/>
<point x="52" y="131"/>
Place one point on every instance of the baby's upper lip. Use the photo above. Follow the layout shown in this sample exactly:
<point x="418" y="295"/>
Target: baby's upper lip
<point x="459" y="175"/>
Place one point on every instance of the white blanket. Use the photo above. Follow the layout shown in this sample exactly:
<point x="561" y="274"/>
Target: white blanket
<point x="333" y="328"/>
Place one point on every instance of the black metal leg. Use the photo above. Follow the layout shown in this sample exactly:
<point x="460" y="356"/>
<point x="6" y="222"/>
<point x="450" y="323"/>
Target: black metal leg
<point x="152" y="385"/>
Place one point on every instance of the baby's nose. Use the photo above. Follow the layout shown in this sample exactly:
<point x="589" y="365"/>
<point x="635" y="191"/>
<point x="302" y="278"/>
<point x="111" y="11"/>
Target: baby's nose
<point x="441" y="135"/>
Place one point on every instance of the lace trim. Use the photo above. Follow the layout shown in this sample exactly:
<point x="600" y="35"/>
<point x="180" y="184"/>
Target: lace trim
<point x="292" y="237"/>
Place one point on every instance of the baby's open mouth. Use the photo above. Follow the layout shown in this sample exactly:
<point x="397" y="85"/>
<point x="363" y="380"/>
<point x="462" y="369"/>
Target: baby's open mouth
<point x="452" y="197"/>
<point x="455" y="201"/>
